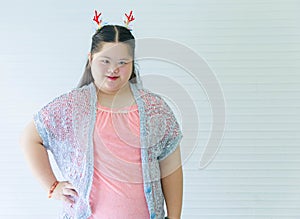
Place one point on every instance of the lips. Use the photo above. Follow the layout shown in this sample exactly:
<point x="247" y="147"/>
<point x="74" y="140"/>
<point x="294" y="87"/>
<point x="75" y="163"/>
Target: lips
<point x="112" y="77"/>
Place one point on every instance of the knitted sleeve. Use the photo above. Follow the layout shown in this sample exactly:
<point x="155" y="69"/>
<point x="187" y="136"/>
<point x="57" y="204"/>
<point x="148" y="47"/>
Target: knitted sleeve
<point x="53" y="121"/>
<point x="66" y="127"/>
<point x="162" y="132"/>
<point x="172" y="135"/>
<point x="61" y="121"/>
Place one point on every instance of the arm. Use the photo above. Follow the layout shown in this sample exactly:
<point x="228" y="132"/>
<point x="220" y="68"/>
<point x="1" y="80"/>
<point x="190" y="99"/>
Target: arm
<point x="38" y="160"/>
<point x="172" y="183"/>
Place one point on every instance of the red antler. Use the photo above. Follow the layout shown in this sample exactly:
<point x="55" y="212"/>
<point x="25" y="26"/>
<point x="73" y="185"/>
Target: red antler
<point x="96" y="18"/>
<point x="129" y="18"/>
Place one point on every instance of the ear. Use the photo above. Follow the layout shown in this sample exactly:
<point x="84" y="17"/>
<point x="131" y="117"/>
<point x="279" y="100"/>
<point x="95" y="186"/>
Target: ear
<point x="90" y="57"/>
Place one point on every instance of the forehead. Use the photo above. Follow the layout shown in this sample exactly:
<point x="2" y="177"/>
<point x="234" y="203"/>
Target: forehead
<point x="114" y="50"/>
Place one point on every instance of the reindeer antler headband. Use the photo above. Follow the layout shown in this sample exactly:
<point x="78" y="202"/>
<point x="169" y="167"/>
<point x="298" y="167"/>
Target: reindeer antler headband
<point x="129" y="18"/>
<point x="127" y="21"/>
<point x="97" y="19"/>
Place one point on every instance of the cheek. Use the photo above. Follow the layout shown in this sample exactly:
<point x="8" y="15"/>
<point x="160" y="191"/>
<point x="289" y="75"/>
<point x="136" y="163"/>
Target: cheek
<point x="98" y="70"/>
<point x="126" y="70"/>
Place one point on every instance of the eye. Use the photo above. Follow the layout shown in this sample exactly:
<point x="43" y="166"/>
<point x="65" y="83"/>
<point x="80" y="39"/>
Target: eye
<point x="122" y="62"/>
<point x="104" y="61"/>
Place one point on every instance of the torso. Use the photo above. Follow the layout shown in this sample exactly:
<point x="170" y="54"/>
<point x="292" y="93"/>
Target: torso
<point x="117" y="189"/>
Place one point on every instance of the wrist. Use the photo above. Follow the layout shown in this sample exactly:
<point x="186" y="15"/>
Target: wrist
<point x="52" y="188"/>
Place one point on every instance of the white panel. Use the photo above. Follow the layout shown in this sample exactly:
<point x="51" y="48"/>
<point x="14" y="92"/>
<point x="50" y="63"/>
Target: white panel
<point x="253" y="47"/>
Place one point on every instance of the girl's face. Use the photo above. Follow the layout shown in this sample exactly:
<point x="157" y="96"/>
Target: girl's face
<point x="111" y="67"/>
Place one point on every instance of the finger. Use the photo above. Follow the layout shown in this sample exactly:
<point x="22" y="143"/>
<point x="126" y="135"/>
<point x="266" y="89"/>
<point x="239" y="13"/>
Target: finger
<point x="70" y="192"/>
<point x="69" y="186"/>
<point x="68" y="199"/>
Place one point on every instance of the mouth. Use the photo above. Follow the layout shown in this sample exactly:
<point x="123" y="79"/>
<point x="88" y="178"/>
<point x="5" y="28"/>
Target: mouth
<point x="113" y="78"/>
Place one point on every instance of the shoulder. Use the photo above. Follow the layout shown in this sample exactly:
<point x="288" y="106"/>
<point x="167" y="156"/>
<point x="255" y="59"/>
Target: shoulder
<point x="154" y="101"/>
<point x="58" y="115"/>
<point x="84" y="92"/>
<point x="150" y="97"/>
<point x="76" y="95"/>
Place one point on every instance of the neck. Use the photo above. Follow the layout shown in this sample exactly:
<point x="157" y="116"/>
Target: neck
<point x="121" y="98"/>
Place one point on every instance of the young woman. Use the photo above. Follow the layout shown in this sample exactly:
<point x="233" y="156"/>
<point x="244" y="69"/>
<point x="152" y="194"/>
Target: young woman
<point x="115" y="143"/>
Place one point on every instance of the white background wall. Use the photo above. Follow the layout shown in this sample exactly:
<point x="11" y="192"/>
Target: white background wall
<point x="252" y="46"/>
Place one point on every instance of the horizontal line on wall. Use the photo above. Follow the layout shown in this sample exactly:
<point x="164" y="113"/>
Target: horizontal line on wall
<point x="250" y="44"/>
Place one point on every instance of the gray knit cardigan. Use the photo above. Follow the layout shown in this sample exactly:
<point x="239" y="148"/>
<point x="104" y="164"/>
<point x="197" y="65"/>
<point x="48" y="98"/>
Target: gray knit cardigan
<point x="66" y="126"/>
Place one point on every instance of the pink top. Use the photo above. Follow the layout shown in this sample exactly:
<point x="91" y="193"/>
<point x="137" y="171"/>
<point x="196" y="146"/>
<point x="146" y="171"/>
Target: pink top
<point x="117" y="189"/>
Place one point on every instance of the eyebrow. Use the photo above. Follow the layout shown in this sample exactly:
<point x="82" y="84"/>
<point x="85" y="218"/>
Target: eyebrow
<point x="119" y="59"/>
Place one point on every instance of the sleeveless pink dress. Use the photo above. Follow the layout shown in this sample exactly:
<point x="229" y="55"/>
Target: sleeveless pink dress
<point x="117" y="189"/>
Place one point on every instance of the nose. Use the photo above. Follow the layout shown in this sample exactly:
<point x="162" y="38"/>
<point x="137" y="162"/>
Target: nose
<point x="113" y="68"/>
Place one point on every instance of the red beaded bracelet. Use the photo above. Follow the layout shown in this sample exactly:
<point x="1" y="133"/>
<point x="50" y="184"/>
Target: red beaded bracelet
<point x="52" y="188"/>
